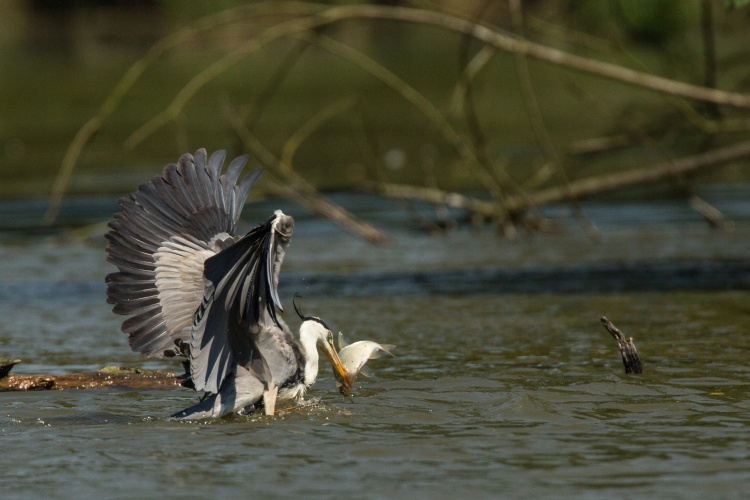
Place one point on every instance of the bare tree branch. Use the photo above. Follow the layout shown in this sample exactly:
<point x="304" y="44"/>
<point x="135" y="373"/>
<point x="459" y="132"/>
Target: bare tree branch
<point x="579" y="189"/>
<point x="301" y="19"/>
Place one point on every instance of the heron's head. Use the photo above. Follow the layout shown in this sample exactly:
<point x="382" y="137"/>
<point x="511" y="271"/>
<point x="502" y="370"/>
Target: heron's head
<point x="315" y="331"/>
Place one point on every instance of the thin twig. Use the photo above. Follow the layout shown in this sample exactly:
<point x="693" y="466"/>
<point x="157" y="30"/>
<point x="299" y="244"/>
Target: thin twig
<point x="310" y="126"/>
<point x="261" y="100"/>
<point x="470" y="72"/>
<point x="709" y="51"/>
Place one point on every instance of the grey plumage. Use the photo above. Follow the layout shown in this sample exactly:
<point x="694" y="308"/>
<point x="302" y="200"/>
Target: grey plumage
<point x="192" y="288"/>
<point x="184" y="214"/>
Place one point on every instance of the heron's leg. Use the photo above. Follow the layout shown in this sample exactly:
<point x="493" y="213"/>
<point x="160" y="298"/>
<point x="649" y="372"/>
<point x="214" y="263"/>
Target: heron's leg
<point x="269" y="399"/>
<point x="249" y="390"/>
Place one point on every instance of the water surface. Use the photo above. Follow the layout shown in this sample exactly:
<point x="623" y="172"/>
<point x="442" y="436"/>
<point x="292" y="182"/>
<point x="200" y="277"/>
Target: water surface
<point x="505" y="383"/>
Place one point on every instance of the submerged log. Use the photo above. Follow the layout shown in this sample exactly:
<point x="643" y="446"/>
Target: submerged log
<point x="109" y="376"/>
<point x="627" y="348"/>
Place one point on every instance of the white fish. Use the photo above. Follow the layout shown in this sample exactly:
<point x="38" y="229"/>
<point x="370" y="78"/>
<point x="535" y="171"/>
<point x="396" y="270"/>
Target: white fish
<point x="353" y="358"/>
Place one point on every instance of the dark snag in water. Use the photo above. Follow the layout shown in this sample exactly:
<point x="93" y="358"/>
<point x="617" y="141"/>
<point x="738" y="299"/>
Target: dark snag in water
<point x="6" y="365"/>
<point x="627" y="348"/>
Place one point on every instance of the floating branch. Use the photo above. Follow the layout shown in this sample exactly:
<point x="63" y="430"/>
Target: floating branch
<point x="627" y="348"/>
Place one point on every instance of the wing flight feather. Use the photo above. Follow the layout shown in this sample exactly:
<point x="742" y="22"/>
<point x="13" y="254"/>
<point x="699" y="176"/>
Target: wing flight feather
<point x="160" y="240"/>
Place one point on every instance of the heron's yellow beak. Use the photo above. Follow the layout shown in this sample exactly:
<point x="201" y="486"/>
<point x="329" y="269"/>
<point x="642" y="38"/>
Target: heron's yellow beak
<point x="342" y="377"/>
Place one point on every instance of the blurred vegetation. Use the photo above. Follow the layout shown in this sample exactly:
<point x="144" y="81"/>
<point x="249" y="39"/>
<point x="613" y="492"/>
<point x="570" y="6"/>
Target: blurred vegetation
<point x="334" y="99"/>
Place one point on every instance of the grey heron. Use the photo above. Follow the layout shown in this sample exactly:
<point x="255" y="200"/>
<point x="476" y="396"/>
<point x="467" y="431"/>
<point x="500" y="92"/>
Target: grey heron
<point x="191" y="287"/>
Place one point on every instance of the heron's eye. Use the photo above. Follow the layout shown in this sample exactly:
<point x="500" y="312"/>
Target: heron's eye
<point x="329" y="337"/>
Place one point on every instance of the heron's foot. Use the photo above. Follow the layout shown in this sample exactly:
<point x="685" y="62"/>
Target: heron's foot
<point x="252" y="408"/>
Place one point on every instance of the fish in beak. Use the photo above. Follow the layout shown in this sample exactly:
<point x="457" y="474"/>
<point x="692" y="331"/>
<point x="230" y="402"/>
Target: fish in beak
<point x="343" y="380"/>
<point x="353" y="358"/>
<point x="349" y="360"/>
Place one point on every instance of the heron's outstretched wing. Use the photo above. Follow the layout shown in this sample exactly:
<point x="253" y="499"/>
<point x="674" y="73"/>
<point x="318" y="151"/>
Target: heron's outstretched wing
<point x="238" y="312"/>
<point x="160" y="240"/>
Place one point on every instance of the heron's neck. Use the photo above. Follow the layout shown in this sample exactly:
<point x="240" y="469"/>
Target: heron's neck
<point x="308" y="342"/>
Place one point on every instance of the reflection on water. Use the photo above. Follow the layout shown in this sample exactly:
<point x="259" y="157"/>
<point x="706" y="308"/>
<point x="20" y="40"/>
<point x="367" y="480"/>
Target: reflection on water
<point x="495" y="390"/>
